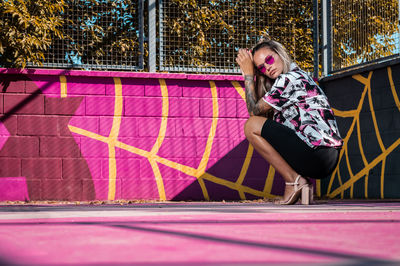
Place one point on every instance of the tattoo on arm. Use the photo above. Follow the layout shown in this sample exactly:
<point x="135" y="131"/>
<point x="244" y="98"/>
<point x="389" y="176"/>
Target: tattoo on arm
<point x="254" y="106"/>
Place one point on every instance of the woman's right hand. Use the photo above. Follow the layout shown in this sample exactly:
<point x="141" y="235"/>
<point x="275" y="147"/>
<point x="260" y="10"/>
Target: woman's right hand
<point x="245" y="61"/>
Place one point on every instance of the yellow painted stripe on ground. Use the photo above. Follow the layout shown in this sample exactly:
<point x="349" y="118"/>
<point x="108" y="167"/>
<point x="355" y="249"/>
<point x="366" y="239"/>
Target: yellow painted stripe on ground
<point x="63" y="86"/>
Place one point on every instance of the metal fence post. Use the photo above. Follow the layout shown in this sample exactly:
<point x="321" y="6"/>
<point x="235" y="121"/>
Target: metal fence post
<point x="316" y="38"/>
<point x="326" y="42"/>
<point x="152" y="36"/>
<point x="141" y="34"/>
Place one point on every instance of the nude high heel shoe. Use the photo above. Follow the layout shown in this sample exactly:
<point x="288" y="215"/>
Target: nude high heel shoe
<point x="300" y="191"/>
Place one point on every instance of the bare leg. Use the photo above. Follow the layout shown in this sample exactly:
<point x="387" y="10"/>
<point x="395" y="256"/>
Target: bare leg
<point x="252" y="130"/>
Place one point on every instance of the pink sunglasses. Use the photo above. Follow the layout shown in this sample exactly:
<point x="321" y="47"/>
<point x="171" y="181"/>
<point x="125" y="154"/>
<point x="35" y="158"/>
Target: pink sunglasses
<point x="268" y="60"/>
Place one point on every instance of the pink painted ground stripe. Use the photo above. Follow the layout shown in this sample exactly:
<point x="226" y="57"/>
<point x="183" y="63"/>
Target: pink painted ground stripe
<point x="190" y="235"/>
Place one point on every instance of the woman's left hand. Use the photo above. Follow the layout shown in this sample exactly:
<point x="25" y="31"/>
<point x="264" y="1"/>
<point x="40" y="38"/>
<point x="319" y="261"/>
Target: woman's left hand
<point x="245" y="61"/>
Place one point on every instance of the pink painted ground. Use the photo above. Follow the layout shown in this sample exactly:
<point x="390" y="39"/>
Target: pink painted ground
<point x="189" y="235"/>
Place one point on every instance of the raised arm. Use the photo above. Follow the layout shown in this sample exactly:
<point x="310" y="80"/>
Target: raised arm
<point x="255" y="106"/>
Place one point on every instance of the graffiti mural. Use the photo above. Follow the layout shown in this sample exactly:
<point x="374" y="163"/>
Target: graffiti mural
<point x="135" y="138"/>
<point x="77" y="135"/>
<point x="367" y="107"/>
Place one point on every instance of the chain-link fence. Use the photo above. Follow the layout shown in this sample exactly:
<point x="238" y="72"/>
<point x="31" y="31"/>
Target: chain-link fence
<point x="362" y="32"/>
<point x="107" y="35"/>
<point x="205" y="36"/>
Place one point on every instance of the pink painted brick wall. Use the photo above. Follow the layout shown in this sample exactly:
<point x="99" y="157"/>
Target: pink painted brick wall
<point x="66" y="144"/>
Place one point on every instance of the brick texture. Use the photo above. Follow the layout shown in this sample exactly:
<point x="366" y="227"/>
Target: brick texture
<point x="12" y="84"/>
<point x="62" y="189"/>
<point x="44" y="167"/>
<point x="59" y="147"/>
<point x="37" y="125"/>
<point x="64" y="106"/>
<point x="21" y="147"/>
<point x="138" y="106"/>
<point x="24" y="103"/>
<point x="10" y="167"/>
<point x="1" y="103"/>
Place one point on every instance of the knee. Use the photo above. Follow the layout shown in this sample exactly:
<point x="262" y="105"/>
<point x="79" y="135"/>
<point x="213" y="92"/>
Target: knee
<point x="250" y="128"/>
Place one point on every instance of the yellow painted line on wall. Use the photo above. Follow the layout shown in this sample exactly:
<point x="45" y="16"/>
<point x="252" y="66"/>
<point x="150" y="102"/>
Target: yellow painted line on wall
<point x="244" y="170"/>
<point x="363" y="79"/>
<point x="366" y="185"/>
<point x="207" y="151"/>
<point x="159" y="181"/>
<point x="269" y="181"/>
<point x="336" y="171"/>
<point x="234" y="186"/>
<point x="271" y="171"/>
<point x="371" y="106"/>
<point x="113" y="138"/>
<point x="395" y="97"/>
<point x="245" y="165"/>
<point x="146" y="154"/>
<point x="360" y="143"/>
<point x="88" y="134"/>
<point x="318" y="187"/>
<point x="160" y="140"/>
<point x="164" y="114"/>
<point x="63" y="85"/>
<point x="239" y="89"/>
<point x="346" y="152"/>
<point x="350" y="113"/>
<point x="112" y="172"/>
<point x="383" y="178"/>
<point x="351" y="191"/>
<point x="367" y="168"/>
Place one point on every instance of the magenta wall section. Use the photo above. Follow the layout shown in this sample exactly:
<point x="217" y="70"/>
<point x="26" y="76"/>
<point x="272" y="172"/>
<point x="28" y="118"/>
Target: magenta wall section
<point x="80" y="135"/>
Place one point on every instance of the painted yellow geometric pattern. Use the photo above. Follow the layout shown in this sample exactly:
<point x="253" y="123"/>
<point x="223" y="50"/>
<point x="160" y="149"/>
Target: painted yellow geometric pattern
<point x="355" y="126"/>
<point x="154" y="159"/>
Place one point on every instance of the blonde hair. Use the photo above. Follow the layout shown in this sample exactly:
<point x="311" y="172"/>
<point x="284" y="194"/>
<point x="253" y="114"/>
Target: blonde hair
<point x="263" y="83"/>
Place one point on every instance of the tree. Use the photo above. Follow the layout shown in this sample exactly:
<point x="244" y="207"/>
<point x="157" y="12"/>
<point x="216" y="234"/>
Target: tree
<point x="100" y="33"/>
<point x="27" y="28"/>
<point x="363" y="30"/>
<point x="209" y="33"/>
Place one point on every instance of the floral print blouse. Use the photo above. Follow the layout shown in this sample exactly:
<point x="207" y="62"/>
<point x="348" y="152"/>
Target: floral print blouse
<point x="300" y="104"/>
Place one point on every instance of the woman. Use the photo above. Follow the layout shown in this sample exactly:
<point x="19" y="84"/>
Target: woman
<point x="302" y="140"/>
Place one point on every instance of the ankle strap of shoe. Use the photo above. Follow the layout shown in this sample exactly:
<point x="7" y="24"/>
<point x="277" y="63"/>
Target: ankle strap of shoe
<point x="296" y="181"/>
